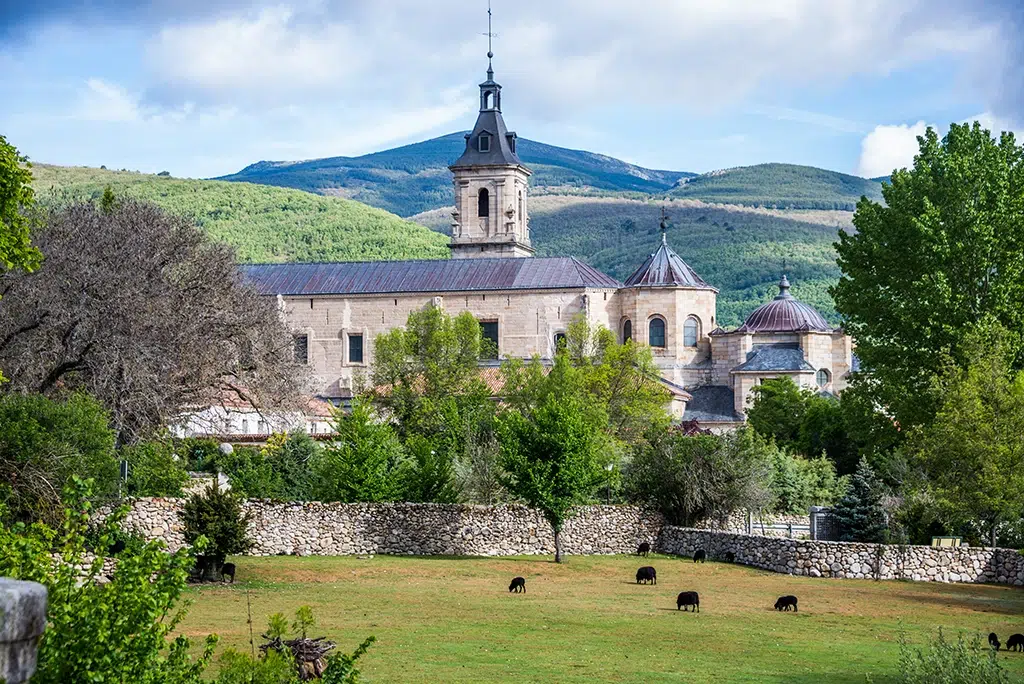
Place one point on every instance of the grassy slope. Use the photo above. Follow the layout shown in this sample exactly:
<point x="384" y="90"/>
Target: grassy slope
<point x="262" y="223"/>
<point x="415" y="178"/>
<point x="739" y="251"/>
<point x="782" y="186"/>
<point x="452" y="620"/>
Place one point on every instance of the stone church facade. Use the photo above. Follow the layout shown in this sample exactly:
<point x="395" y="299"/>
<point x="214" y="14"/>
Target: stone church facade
<point x="524" y="303"/>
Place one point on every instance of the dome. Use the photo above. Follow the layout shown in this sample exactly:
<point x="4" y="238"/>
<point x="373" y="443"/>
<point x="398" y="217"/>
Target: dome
<point x="785" y="314"/>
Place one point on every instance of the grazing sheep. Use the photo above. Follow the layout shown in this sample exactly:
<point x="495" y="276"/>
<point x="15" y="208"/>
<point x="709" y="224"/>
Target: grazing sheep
<point x="785" y="603"/>
<point x="643" y="549"/>
<point x="518" y="584"/>
<point x="701" y="556"/>
<point x="730" y="557"/>
<point x="993" y="640"/>
<point x="687" y="599"/>
<point x="1015" y="643"/>
<point x="647" y="574"/>
<point x="226" y="570"/>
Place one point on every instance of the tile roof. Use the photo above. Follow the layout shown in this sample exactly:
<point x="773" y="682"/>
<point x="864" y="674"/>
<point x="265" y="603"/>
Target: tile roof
<point x="665" y="268"/>
<point x="712" y="404"/>
<point x="784" y="314"/>
<point x="440" y="275"/>
<point x="774" y="357"/>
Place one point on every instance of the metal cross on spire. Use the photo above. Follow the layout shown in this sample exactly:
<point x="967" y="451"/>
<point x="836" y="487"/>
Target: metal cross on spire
<point x="490" y="35"/>
<point x="664" y="225"/>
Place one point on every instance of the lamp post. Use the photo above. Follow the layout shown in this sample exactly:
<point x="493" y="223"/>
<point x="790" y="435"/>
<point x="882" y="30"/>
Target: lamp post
<point x="608" y="483"/>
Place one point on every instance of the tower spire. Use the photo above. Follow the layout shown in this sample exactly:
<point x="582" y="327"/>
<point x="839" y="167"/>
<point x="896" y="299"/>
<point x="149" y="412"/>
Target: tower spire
<point x="490" y="51"/>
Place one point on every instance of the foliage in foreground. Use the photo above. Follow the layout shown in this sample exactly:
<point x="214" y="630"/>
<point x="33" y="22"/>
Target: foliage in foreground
<point x="118" y="631"/>
<point x="946" y="662"/>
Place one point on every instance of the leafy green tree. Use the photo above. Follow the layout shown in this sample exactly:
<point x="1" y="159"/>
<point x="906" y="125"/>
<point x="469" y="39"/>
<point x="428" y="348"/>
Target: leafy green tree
<point x="154" y="469"/>
<point x="859" y="513"/>
<point x="44" y="444"/>
<point x="428" y="475"/>
<point x="17" y="219"/>
<point x="290" y="457"/>
<point x="972" y="452"/>
<point x="944" y="253"/>
<point x="798" y="483"/>
<point x="824" y="430"/>
<point x="362" y="462"/>
<point x="778" y="410"/>
<point x="699" y="478"/>
<point x="110" y="632"/>
<point x="549" y="451"/>
<point x="216" y="517"/>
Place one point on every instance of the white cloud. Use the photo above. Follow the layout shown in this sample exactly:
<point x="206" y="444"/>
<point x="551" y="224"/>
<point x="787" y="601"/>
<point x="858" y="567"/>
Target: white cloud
<point x="103" y="101"/>
<point x="828" y="121"/>
<point x="887" y="148"/>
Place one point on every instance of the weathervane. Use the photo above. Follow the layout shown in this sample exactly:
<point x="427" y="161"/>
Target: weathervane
<point x="664" y="225"/>
<point x="490" y="35"/>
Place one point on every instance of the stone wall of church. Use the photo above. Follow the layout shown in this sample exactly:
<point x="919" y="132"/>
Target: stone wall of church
<point x="527" y="323"/>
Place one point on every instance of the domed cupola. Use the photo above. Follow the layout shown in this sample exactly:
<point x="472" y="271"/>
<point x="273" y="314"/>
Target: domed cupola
<point x="665" y="268"/>
<point x="784" y="314"/>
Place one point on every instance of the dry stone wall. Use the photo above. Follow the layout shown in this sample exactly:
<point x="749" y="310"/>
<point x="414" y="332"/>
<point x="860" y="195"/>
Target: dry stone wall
<point x="851" y="560"/>
<point x="330" y="529"/>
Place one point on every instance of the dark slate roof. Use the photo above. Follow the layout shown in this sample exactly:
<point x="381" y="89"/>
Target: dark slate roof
<point x="784" y="314"/>
<point x="665" y="268"/>
<point x="440" y="275"/>
<point x="775" y="357"/>
<point x="489" y="121"/>
<point x="711" y="404"/>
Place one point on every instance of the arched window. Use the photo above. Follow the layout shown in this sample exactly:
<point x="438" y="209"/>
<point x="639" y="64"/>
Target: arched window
<point x="823" y="377"/>
<point x="483" y="203"/>
<point x="656" y="332"/>
<point x="520" y="205"/>
<point x="691" y="331"/>
<point x="627" y="331"/>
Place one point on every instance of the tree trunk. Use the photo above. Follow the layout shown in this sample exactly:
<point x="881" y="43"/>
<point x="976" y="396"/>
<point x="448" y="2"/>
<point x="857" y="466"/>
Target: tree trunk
<point x="994" y="523"/>
<point x="558" y="545"/>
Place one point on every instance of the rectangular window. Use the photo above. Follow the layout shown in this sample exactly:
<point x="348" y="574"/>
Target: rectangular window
<point x="301" y="348"/>
<point x="489" y="333"/>
<point x="485" y="143"/>
<point x="355" y="348"/>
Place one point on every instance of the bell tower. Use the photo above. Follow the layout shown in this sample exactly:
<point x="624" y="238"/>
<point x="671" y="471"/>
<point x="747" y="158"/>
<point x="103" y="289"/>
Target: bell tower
<point x="490" y="217"/>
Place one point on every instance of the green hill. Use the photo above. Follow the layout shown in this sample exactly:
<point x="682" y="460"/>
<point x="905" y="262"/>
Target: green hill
<point x="262" y="223"/>
<point x="415" y="178"/>
<point x="742" y="251"/>
<point x="784" y="186"/>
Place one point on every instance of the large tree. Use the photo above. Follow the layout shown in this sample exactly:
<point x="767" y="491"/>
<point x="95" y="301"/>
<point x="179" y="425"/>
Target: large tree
<point x="972" y="453"/>
<point x="17" y="217"/>
<point x="138" y="308"/>
<point x="944" y="252"/>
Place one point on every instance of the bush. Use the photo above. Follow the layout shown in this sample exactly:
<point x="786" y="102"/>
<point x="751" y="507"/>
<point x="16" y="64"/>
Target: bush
<point x="362" y="463"/>
<point x="945" y="662"/>
<point x="798" y="483"/>
<point x="429" y="474"/>
<point x="691" y="479"/>
<point x="290" y="457"/>
<point x="118" y="631"/>
<point x="44" y="444"/>
<point x="154" y="469"/>
<point x="215" y="517"/>
<point x="859" y="513"/>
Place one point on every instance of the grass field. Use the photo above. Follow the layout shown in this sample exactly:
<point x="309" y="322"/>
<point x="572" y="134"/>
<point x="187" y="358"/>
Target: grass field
<point x="453" y="620"/>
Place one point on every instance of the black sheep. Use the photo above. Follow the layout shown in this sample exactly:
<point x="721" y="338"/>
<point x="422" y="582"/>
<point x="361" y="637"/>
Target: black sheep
<point x="701" y="556"/>
<point x="687" y="599"/>
<point x="518" y="584"/>
<point x="785" y="603"/>
<point x="228" y="570"/>
<point x="643" y="549"/>
<point x="993" y="640"/>
<point x="730" y="557"/>
<point x="646" y="574"/>
<point x="1015" y="642"/>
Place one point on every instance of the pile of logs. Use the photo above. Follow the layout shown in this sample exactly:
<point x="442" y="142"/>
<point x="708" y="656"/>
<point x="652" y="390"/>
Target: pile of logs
<point x="310" y="654"/>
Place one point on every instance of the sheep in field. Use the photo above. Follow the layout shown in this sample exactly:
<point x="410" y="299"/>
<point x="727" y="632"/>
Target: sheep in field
<point x="687" y="599"/>
<point x="518" y="585"/>
<point x="701" y="556"/>
<point x="228" y="570"/>
<point x="643" y="549"/>
<point x="993" y="641"/>
<point x="646" y="574"/>
<point x="785" y="603"/>
<point x="1015" y="642"/>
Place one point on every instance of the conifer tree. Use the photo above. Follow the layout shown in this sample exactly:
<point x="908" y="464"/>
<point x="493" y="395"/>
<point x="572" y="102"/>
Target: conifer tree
<point x="859" y="513"/>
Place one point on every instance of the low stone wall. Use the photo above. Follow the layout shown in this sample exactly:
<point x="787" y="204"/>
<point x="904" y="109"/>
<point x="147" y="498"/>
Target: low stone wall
<point x="851" y="560"/>
<point x="333" y="529"/>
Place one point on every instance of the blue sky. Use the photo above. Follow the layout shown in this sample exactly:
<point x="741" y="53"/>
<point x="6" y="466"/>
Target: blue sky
<point x="202" y="88"/>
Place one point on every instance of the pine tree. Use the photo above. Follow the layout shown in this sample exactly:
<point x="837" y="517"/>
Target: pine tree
<point x="859" y="513"/>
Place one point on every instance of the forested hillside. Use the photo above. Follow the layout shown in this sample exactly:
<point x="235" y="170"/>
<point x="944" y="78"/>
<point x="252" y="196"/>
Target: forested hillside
<point x="415" y="178"/>
<point x="262" y="223"/>
<point x="785" y="186"/>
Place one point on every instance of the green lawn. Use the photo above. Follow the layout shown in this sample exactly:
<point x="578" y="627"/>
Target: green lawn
<point x="453" y="620"/>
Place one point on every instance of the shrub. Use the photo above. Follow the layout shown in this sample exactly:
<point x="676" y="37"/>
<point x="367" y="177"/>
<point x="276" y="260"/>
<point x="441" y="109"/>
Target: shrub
<point x="859" y="513"/>
<point x="798" y="483"/>
<point x="429" y="474"/>
<point x="362" y="462"/>
<point x="217" y="518"/>
<point x="290" y="457"/>
<point x="945" y="662"/>
<point x="118" y="631"/>
<point x="44" y="444"/>
<point x="154" y="469"/>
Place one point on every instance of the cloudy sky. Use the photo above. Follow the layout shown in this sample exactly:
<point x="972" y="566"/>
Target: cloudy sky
<point x="204" y="87"/>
